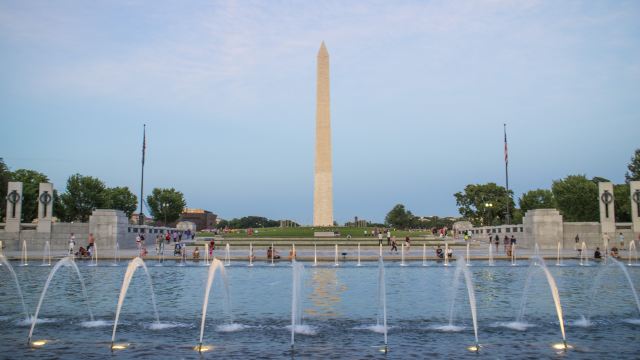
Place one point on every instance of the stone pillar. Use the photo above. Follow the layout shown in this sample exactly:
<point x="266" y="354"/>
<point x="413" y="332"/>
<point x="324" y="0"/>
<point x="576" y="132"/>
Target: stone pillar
<point x="635" y="206"/>
<point x="108" y="227"/>
<point x="14" y="207"/>
<point x="607" y="212"/>
<point x="543" y="227"/>
<point x="45" y="207"/>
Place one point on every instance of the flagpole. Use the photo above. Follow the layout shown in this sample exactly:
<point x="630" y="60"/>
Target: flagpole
<point x="144" y="146"/>
<point x="506" y="172"/>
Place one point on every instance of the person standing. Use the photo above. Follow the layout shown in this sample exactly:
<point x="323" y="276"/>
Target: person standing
<point x="389" y="237"/>
<point x="138" y="242"/>
<point x="621" y="239"/>
<point x="380" y="239"/>
<point x="91" y="242"/>
<point x="576" y="246"/>
<point x="407" y="243"/>
<point x="72" y="243"/>
<point x="496" y="240"/>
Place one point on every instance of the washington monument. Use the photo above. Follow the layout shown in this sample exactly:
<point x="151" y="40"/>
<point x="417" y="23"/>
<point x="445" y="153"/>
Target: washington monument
<point x="323" y="179"/>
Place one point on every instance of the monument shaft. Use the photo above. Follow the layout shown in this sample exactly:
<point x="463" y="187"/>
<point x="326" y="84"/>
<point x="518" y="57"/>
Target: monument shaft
<point x="323" y="179"/>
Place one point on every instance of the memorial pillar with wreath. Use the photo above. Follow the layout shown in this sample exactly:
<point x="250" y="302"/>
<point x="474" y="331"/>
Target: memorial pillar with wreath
<point x="14" y="207"/>
<point x="45" y="207"/>
<point x="607" y="212"/>
<point x="635" y="207"/>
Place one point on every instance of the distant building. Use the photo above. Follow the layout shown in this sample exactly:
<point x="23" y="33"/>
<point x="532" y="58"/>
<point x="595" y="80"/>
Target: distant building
<point x="203" y="219"/>
<point x="134" y="219"/>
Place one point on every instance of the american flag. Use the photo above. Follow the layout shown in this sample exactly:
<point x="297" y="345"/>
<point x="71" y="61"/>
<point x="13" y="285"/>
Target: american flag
<point x="506" y="152"/>
<point x="144" y="141"/>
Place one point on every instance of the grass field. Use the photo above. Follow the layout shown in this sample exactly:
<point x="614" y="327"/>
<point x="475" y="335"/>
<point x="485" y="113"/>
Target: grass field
<point x="307" y="232"/>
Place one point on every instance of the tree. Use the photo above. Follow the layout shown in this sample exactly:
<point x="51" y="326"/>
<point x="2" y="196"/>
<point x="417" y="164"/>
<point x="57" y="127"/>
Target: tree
<point x="121" y="198"/>
<point x="222" y="224"/>
<point x="82" y="196"/>
<point x="537" y="199"/>
<point x="166" y="205"/>
<point x="5" y="177"/>
<point x="252" y="222"/>
<point x="30" y="190"/>
<point x="485" y="204"/>
<point x="577" y="198"/>
<point x="399" y="217"/>
<point x="634" y="168"/>
<point x="622" y="204"/>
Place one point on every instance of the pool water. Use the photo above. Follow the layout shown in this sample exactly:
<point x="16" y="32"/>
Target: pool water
<point x="340" y="311"/>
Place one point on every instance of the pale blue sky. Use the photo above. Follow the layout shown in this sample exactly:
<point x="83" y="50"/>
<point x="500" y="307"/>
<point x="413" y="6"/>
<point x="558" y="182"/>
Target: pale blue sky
<point x="419" y="91"/>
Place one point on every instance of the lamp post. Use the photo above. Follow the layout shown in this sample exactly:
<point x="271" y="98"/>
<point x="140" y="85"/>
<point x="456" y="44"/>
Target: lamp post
<point x="488" y="206"/>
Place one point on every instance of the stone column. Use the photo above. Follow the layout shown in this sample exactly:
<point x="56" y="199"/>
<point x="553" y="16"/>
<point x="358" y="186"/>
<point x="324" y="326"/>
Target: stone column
<point x="543" y="227"/>
<point x="14" y="207"/>
<point x="109" y="227"/>
<point x="635" y="206"/>
<point x="45" y="207"/>
<point x="607" y="212"/>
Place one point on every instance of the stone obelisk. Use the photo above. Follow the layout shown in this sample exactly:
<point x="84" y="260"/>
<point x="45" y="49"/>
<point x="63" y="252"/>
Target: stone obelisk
<point x="323" y="179"/>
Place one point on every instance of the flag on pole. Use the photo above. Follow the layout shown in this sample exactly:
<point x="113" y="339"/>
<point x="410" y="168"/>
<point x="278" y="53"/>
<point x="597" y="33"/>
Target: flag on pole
<point x="506" y="152"/>
<point x="144" y="141"/>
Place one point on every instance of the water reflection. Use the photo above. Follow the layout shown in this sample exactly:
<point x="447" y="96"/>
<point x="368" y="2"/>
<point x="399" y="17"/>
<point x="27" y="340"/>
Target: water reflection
<point x="326" y="293"/>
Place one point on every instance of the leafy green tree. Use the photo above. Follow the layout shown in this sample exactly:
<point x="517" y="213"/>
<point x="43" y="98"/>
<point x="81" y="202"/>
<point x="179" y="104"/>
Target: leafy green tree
<point x="485" y="204"/>
<point x="577" y="198"/>
<point x="5" y="177"/>
<point x="399" y="217"/>
<point x="166" y="205"/>
<point x="30" y="188"/>
<point x="121" y="198"/>
<point x="222" y="224"/>
<point x="622" y="196"/>
<point x="634" y="168"/>
<point x="82" y="196"/>
<point x="252" y="222"/>
<point x="537" y="199"/>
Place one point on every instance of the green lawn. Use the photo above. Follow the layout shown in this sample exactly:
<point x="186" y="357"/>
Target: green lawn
<point x="307" y="232"/>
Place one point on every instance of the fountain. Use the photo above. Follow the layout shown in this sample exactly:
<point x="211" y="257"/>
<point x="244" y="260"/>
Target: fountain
<point x="206" y="254"/>
<point x="491" y="262"/>
<point x="250" y="254"/>
<point x="402" y="263"/>
<point x="559" y="256"/>
<point x="519" y="324"/>
<point x="46" y="254"/>
<point x="227" y="255"/>
<point x="446" y="254"/>
<point x="273" y="254"/>
<point x="586" y="321"/>
<point x="513" y="255"/>
<point x="24" y="259"/>
<point x="128" y="275"/>
<point x="336" y="263"/>
<point x="359" y="255"/>
<point x="296" y="300"/>
<point x="293" y="251"/>
<point x="8" y="266"/>
<point x="94" y="256"/>
<point x="633" y="253"/>
<point x="462" y="268"/>
<point x="382" y="303"/>
<point x="315" y="255"/>
<point x="66" y="261"/>
<point x="584" y="257"/>
<point x="216" y="265"/>
<point x="468" y="257"/>
<point x="116" y="254"/>
<point x="380" y="252"/>
<point x="424" y="254"/>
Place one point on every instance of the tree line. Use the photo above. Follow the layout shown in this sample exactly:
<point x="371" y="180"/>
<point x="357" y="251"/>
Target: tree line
<point x="575" y="196"/>
<point x="83" y="194"/>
